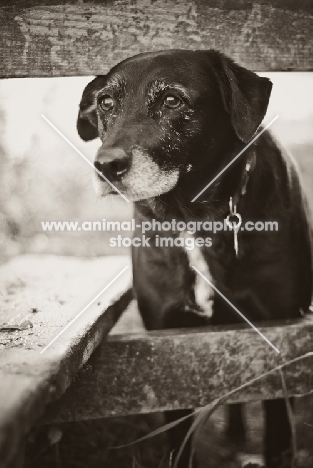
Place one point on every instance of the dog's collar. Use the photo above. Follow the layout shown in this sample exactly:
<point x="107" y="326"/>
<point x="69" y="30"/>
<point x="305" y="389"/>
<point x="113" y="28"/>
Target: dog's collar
<point x="234" y="219"/>
<point x="250" y="164"/>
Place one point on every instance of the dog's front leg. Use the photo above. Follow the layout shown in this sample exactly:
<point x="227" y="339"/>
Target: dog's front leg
<point x="163" y="284"/>
<point x="177" y="436"/>
<point x="277" y="440"/>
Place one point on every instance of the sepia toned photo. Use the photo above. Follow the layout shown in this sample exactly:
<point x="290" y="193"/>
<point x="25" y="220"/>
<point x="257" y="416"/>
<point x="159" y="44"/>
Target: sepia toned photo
<point x="156" y="213"/>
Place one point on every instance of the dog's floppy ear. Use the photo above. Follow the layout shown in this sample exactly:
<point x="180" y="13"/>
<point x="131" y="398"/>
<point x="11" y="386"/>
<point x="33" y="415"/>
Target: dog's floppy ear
<point x="87" y="125"/>
<point x="245" y="95"/>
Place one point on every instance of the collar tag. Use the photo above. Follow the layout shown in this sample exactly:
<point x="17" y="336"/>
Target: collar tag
<point x="234" y="221"/>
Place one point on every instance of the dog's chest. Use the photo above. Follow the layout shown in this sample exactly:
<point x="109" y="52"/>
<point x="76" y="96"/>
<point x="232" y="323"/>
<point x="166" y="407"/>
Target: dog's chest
<point x="203" y="291"/>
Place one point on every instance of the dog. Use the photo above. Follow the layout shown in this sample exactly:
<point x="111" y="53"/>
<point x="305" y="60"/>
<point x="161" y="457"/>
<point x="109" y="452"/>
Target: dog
<point x="170" y="122"/>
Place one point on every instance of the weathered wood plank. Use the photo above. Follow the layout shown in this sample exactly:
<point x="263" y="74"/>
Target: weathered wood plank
<point x="58" y="288"/>
<point x="143" y="373"/>
<point x="66" y="38"/>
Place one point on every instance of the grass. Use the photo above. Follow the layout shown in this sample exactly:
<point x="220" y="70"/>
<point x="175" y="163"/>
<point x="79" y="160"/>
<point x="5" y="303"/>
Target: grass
<point x="90" y="444"/>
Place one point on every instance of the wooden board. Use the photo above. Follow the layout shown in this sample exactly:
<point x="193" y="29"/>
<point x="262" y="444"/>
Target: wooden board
<point x="47" y="292"/>
<point x="148" y="372"/>
<point x="66" y="38"/>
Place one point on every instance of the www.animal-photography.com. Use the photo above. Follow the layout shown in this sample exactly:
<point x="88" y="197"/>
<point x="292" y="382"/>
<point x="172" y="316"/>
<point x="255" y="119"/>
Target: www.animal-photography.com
<point x="156" y="266"/>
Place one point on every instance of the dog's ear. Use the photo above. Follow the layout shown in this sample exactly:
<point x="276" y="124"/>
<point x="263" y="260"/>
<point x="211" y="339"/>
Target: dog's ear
<point x="245" y="95"/>
<point x="87" y="124"/>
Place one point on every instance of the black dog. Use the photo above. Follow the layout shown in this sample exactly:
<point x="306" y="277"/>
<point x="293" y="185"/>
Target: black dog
<point x="169" y="123"/>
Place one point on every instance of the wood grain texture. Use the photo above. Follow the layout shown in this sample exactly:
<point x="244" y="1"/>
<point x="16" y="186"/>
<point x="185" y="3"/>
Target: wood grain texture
<point x="66" y="38"/>
<point x="158" y="371"/>
<point x="58" y="288"/>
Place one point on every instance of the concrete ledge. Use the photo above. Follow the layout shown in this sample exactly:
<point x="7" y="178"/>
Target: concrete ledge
<point x="48" y="292"/>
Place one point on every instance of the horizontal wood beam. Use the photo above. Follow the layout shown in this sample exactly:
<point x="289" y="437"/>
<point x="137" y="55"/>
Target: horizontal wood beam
<point x="68" y="38"/>
<point x="142" y="373"/>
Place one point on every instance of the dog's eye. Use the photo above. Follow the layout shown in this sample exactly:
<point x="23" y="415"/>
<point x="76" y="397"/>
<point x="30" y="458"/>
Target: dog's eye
<point x="106" y="103"/>
<point x="172" y="101"/>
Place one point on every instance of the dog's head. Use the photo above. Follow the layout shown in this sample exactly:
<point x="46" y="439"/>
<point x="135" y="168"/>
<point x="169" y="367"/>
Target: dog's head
<point x="161" y="115"/>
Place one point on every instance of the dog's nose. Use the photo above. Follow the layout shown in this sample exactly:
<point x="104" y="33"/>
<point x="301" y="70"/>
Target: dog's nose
<point x="113" y="163"/>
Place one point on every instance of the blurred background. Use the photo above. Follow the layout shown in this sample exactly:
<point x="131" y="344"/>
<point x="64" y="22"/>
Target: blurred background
<point x="43" y="179"/>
